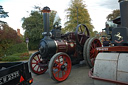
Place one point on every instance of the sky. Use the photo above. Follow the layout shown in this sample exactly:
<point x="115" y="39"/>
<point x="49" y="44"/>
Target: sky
<point x="98" y="10"/>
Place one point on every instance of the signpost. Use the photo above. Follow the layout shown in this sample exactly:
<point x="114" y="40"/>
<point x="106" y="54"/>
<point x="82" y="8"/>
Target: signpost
<point x="27" y="41"/>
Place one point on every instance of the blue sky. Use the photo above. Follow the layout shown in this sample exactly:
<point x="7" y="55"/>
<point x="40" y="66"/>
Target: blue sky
<point x="98" y="10"/>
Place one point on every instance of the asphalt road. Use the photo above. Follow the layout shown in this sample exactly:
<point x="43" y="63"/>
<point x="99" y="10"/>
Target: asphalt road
<point x="78" y="76"/>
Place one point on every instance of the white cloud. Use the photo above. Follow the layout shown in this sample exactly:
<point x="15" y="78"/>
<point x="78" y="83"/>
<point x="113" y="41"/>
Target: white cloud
<point x="99" y="9"/>
<point x="17" y="9"/>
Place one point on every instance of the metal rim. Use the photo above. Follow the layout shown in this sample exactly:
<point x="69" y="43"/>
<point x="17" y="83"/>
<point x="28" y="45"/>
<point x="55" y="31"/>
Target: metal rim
<point x="79" y="41"/>
<point x="91" y="51"/>
<point x="34" y="61"/>
<point x="60" y="66"/>
<point x="85" y="50"/>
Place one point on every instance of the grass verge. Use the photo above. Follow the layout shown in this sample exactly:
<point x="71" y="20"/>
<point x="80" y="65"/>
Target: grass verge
<point x="16" y="57"/>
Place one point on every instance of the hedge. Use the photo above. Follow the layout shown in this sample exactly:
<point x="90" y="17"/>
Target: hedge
<point x="17" y="48"/>
<point x="16" y="57"/>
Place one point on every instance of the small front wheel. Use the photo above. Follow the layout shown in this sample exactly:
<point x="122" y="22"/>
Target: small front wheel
<point x="36" y="64"/>
<point x="60" y="66"/>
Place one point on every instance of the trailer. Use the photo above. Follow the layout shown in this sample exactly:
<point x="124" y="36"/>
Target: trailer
<point x="15" y="73"/>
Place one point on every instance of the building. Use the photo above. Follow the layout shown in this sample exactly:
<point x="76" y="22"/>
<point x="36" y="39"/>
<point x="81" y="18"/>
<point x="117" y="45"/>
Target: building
<point x="18" y="33"/>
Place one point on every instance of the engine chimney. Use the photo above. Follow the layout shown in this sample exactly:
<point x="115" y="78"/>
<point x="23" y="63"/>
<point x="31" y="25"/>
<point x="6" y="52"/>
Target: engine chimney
<point x="46" y="10"/>
<point x="124" y="13"/>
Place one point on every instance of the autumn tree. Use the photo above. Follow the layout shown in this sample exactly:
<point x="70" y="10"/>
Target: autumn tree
<point x="8" y="37"/>
<point x="113" y="15"/>
<point x="83" y="16"/>
<point x="33" y="26"/>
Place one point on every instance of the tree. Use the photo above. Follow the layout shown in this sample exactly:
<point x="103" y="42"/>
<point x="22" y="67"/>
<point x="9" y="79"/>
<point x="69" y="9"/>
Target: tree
<point x="3" y="14"/>
<point x="83" y="16"/>
<point x="113" y="15"/>
<point x="33" y="26"/>
<point x="8" y="37"/>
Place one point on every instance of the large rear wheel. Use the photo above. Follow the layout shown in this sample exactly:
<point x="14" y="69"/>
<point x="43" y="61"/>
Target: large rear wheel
<point x="85" y="50"/>
<point x="90" y="51"/>
<point x="60" y="66"/>
<point x="37" y="64"/>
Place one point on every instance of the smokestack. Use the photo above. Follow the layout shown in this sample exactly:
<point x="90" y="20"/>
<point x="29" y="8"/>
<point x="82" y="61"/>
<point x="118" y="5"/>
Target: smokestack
<point x="124" y="13"/>
<point x="46" y="10"/>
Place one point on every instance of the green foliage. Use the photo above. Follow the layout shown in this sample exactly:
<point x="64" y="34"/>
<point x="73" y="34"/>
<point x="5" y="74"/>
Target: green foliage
<point x="16" y="57"/>
<point x="33" y="45"/>
<point x="33" y="26"/>
<point x="83" y="16"/>
<point x="113" y="15"/>
<point x="17" y="48"/>
<point x="10" y="58"/>
<point x="3" y="14"/>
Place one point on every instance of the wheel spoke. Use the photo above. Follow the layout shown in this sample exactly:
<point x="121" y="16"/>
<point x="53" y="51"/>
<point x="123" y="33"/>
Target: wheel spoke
<point x="83" y="31"/>
<point x="63" y="59"/>
<point x="59" y="59"/>
<point x="94" y="45"/>
<point x="38" y="58"/>
<point x="65" y="71"/>
<point x="60" y="71"/>
<point x="34" y="67"/>
<point x="56" y="73"/>
<point x="91" y="51"/>
<point x="38" y="68"/>
<point x="92" y="56"/>
<point x="34" y="62"/>
<point x="91" y="47"/>
<point x="35" y="59"/>
<point x="80" y="28"/>
<point x="81" y="39"/>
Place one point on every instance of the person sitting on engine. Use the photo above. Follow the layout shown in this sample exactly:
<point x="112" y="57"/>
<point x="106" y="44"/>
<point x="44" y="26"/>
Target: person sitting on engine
<point x="106" y="42"/>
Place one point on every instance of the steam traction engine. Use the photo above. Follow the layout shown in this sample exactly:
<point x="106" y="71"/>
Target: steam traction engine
<point x="59" y="52"/>
<point x="111" y="64"/>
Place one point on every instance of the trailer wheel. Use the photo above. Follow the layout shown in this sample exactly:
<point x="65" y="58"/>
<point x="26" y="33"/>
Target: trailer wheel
<point x="60" y="67"/>
<point x="35" y="62"/>
<point x="91" y="52"/>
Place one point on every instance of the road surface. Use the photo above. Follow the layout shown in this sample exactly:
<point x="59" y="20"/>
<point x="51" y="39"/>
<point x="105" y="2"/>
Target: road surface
<point x="78" y="76"/>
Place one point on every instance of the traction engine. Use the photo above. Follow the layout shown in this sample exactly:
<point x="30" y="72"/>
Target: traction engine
<point x="111" y="64"/>
<point x="59" y="52"/>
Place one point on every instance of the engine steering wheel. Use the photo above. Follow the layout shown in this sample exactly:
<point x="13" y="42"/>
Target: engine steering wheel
<point x="81" y="34"/>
